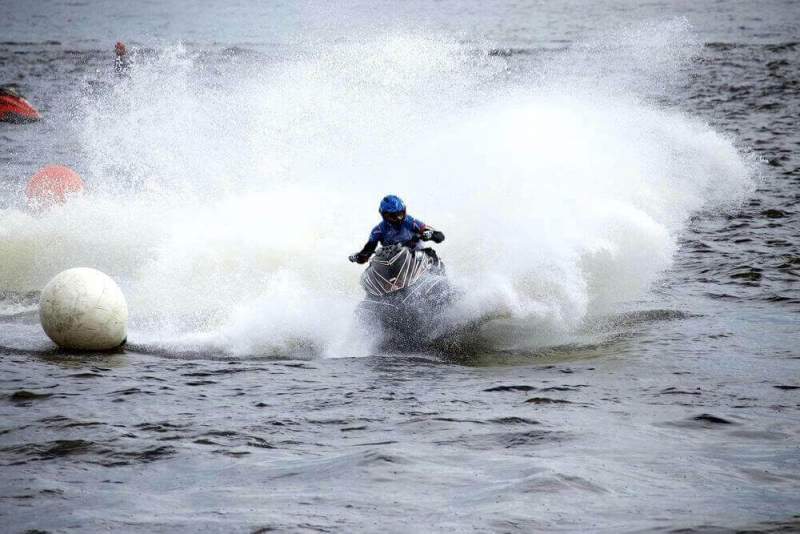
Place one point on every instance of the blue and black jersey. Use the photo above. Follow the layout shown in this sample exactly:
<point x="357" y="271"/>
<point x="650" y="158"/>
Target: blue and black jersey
<point x="389" y="234"/>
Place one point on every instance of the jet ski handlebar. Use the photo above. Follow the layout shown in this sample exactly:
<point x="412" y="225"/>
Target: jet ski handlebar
<point x="431" y="235"/>
<point x="426" y="235"/>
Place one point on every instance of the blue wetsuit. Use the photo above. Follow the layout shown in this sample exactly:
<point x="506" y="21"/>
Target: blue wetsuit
<point x="388" y="234"/>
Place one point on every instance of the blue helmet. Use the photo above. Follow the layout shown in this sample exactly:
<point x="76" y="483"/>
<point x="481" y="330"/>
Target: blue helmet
<point x="391" y="204"/>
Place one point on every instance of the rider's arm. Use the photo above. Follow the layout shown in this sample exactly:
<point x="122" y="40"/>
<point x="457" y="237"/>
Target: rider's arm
<point x="372" y="243"/>
<point x="366" y="252"/>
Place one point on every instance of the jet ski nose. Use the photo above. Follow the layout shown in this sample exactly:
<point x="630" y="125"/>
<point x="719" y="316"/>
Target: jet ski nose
<point x="14" y="108"/>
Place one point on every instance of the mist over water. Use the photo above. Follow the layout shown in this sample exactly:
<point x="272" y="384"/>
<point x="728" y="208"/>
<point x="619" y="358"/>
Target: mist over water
<point x="224" y="196"/>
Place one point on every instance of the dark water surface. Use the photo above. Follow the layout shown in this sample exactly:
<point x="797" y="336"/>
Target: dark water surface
<point x="678" y="411"/>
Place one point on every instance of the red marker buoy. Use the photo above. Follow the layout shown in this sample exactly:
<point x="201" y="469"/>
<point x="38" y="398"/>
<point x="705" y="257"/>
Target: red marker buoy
<point x="51" y="185"/>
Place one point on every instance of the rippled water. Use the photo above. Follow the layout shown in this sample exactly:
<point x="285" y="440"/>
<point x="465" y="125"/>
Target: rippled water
<point x="239" y="406"/>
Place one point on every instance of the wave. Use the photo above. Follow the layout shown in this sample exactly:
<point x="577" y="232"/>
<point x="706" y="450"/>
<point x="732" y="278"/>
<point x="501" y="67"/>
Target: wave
<point x="225" y="197"/>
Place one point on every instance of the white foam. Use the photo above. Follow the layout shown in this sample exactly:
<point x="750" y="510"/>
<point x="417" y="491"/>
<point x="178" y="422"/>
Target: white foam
<point x="227" y="206"/>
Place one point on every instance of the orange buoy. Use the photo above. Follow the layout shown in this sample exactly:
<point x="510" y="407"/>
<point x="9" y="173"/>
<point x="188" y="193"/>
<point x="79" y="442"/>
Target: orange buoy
<point x="51" y="185"/>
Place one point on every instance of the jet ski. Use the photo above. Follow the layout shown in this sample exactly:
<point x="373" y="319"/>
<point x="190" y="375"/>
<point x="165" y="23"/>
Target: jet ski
<point x="407" y="292"/>
<point x="14" y="108"/>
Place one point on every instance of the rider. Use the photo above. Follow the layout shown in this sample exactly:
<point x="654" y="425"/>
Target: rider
<point x="122" y="62"/>
<point x="396" y="227"/>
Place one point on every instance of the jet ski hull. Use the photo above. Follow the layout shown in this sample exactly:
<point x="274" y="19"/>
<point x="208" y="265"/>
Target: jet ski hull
<point x="407" y="295"/>
<point x="16" y="109"/>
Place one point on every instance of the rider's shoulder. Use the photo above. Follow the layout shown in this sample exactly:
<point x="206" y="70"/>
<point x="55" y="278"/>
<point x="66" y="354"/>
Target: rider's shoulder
<point x="413" y="223"/>
<point x="379" y="229"/>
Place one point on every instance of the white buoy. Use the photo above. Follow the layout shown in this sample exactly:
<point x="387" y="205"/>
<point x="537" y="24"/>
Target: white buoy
<point x="84" y="309"/>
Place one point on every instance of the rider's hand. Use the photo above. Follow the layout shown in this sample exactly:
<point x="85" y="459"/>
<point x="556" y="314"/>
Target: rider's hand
<point x="359" y="258"/>
<point x="427" y="235"/>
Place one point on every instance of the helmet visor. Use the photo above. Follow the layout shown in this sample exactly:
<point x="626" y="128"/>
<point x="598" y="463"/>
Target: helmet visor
<point x="394" y="218"/>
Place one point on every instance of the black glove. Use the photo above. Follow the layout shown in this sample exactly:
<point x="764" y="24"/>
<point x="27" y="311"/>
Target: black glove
<point x="437" y="236"/>
<point x="359" y="257"/>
